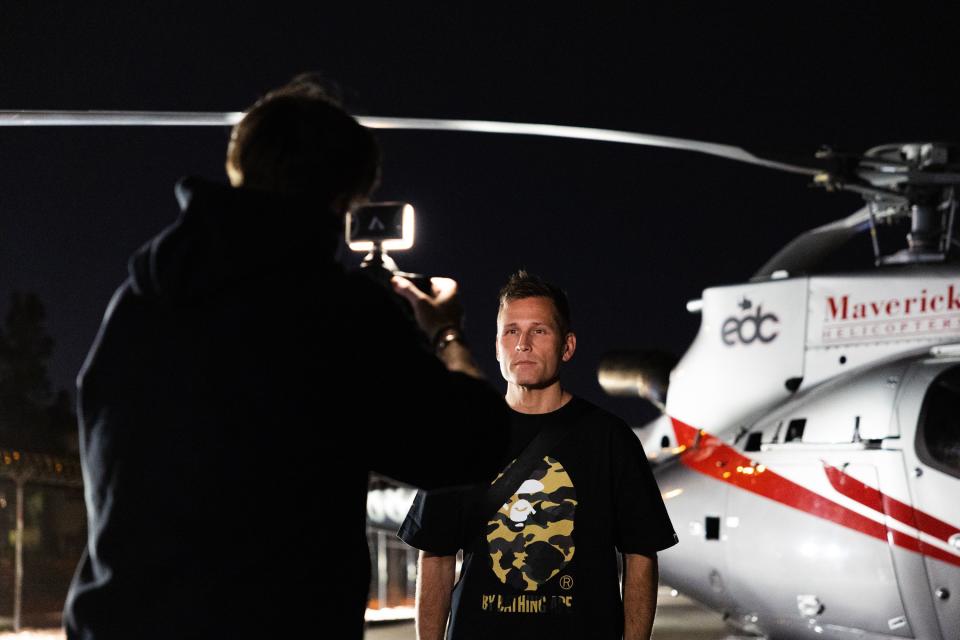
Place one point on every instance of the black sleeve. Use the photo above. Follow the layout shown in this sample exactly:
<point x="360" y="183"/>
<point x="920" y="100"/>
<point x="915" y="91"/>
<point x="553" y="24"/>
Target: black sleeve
<point x="435" y="521"/>
<point x="641" y="521"/>
<point x="436" y="428"/>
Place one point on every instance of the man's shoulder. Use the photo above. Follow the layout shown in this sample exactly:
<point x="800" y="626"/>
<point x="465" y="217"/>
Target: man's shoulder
<point x="125" y="302"/>
<point x="597" y="417"/>
<point x="597" y="426"/>
<point x="117" y="335"/>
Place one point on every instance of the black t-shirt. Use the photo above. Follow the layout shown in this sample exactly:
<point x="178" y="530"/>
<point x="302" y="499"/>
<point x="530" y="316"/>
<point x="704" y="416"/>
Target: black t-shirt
<point x="546" y="565"/>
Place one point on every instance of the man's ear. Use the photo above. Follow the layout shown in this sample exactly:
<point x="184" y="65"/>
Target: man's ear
<point x="496" y="349"/>
<point x="234" y="174"/>
<point x="569" y="346"/>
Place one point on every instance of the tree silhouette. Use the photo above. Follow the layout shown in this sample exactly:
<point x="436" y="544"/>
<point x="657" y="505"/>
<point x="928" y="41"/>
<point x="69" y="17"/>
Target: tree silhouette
<point x="32" y="416"/>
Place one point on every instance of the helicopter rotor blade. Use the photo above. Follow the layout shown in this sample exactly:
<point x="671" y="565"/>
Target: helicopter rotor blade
<point x="119" y="118"/>
<point x="583" y="133"/>
<point x="186" y="118"/>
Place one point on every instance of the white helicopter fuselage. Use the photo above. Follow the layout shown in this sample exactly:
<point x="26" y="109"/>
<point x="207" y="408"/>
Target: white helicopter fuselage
<point x="813" y="491"/>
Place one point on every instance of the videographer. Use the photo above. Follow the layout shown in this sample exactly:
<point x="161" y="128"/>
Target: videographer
<point x="243" y="385"/>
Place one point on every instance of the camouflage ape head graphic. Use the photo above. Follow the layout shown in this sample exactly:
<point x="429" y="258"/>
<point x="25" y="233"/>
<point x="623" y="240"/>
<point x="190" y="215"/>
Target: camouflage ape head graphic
<point x="530" y="537"/>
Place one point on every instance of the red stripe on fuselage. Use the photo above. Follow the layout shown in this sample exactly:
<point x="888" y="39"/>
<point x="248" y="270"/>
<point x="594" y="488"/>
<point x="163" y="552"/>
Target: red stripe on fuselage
<point x="873" y="498"/>
<point x="712" y="457"/>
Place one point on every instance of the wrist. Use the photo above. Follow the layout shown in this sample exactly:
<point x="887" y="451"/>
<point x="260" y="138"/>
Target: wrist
<point x="446" y="335"/>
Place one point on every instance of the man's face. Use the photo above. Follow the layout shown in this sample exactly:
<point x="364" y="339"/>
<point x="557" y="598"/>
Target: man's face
<point x="529" y="345"/>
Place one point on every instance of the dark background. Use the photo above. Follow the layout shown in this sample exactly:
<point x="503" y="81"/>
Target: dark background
<point x="631" y="233"/>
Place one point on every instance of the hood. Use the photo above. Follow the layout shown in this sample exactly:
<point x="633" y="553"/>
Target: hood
<point x="226" y="234"/>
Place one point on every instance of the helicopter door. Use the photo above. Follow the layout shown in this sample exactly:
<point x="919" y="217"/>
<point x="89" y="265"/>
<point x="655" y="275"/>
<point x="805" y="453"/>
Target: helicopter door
<point x="931" y="403"/>
<point x="833" y="569"/>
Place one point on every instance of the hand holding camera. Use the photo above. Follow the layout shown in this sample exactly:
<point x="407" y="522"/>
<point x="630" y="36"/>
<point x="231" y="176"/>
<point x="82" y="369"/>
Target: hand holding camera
<point x="434" y="313"/>
<point x="381" y="226"/>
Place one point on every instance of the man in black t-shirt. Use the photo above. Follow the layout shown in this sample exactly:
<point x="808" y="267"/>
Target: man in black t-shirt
<point x="544" y="564"/>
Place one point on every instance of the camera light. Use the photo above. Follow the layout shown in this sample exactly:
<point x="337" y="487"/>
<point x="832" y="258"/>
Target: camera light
<point x="387" y="224"/>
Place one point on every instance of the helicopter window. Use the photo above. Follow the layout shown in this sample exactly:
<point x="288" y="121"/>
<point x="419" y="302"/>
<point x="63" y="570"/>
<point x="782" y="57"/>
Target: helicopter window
<point x="795" y="429"/>
<point x="712" y="527"/>
<point x="938" y="438"/>
<point x="753" y="441"/>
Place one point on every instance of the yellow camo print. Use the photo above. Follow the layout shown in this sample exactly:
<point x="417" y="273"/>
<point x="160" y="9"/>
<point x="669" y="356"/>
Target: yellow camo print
<point x="529" y="553"/>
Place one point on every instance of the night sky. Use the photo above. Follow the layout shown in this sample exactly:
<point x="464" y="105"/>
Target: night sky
<point x="631" y="233"/>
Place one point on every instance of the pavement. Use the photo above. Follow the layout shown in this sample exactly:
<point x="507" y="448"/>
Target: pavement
<point x="678" y="618"/>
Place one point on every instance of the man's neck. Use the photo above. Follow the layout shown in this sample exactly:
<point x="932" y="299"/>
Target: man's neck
<point x="531" y="400"/>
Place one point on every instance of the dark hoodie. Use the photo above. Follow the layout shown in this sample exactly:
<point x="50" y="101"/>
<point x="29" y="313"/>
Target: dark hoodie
<point x="238" y="393"/>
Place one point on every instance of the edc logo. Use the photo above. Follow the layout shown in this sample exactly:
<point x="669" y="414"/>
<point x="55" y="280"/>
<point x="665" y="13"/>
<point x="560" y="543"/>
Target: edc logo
<point x="749" y="328"/>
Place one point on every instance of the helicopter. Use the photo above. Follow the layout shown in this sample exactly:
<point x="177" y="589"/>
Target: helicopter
<point x="807" y="450"/>
<point x="810" y="430"/>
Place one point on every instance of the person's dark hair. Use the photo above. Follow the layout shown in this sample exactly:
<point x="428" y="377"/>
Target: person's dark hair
<point x="297" y="140"/>
<point x="526" y="285"/>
